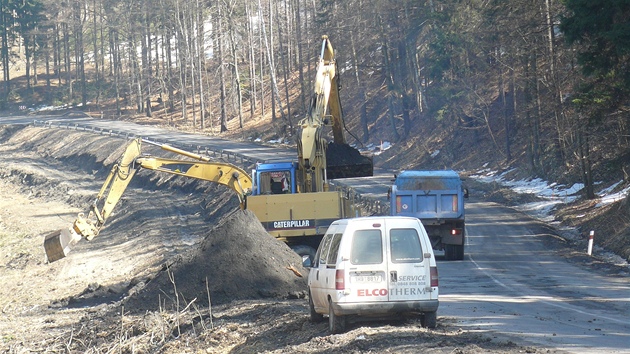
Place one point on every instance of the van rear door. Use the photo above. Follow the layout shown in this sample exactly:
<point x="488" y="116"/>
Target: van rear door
<point x="408" y="273"/>
<point x="367" y="268"/>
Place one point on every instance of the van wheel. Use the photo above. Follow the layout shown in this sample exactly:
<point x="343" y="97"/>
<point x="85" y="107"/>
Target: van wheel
<point x="336" y="324"/>
<point x="307" y="253"/>
<point x="315" y="317"/>
<point x="429" y="319"/>
<point x="454" y="252"/>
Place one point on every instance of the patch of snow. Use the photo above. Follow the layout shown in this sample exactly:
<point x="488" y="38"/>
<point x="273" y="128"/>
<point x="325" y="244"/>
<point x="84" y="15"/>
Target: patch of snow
<point x="377" y="150"/>
<point x="608" y="190"/>
<point x="552" y="193"/>
<point x="607" y="199"/>
<point x="49" y="108"/>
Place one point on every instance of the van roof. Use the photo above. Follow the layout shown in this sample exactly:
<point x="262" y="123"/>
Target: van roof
<point x="372" y="218"/>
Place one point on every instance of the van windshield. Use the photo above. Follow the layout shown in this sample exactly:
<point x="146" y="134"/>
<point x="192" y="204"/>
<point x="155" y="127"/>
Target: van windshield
<point x="367" y="247"/>
<point x="405" y="246"/>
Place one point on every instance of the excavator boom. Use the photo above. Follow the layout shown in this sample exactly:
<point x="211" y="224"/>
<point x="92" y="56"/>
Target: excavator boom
<point x="337" y="159"/>
<point x="59" y="243"/>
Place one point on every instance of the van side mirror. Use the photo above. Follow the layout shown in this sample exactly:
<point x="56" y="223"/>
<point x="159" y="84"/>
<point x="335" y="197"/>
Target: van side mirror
<point x="389" y="193"/>
<point x="465" y="192"/>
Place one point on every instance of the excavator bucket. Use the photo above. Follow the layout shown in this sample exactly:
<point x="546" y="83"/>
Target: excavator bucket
<point x="344" y="161"/>
<point x="59" y="243"/>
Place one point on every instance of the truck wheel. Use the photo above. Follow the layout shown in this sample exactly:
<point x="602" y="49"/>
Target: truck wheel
<point x="454" y="252"/>
<point x="307" y="253"/>
<point x="315" y="317"/>
<point x="336" y="324"/>
<point x="429" y="319"/>
<point x="448" y="252"/>
<point x="459" y="252"/>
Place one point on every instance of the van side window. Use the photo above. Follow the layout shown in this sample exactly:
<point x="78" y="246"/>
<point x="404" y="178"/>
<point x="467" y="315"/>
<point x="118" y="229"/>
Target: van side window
<point x="367" y="247"/>
<point x="323" y="249"/>
<point x="405" y="246"/>
<point x="334" y="251"/>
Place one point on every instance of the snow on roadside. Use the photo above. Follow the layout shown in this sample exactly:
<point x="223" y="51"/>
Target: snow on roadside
<point x="607" y="197"/>
<point x="553" y="194"/>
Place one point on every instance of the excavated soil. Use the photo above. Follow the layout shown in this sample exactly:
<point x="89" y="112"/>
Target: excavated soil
<point x="178" y="267"/>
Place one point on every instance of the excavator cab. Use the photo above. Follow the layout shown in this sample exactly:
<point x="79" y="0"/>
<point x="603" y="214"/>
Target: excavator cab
<point x="275" y="178"/>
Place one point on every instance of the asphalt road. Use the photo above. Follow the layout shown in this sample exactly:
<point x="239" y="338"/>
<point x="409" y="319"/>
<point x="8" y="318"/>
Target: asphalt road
<point x="511" y="284"/>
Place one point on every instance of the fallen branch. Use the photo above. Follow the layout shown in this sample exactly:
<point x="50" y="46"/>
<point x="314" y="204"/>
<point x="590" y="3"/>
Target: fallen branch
<point x="294" y="270"/>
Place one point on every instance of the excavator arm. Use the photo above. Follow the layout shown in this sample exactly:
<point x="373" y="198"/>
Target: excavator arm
<point x="320" y="160"/>
<point x="59" y="243"/>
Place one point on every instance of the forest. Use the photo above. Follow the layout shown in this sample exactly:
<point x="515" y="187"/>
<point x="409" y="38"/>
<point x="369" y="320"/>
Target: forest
<point x="544" y="82"/>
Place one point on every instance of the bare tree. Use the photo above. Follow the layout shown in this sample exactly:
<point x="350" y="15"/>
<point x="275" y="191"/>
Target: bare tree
<point x="221" y="58"/>
<point x="272" y="72"/>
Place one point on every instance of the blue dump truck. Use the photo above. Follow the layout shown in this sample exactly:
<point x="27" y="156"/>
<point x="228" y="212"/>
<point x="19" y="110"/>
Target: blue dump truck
<point x="437" y="199"/>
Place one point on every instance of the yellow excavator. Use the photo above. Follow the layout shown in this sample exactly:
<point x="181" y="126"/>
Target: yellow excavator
<point x="291" y="199"/>
<point x="320" y="160"/>
<point x="59" y="243"/>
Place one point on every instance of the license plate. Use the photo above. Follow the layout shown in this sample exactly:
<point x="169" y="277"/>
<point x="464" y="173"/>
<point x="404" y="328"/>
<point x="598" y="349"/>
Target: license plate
<point x="366" y="279"/>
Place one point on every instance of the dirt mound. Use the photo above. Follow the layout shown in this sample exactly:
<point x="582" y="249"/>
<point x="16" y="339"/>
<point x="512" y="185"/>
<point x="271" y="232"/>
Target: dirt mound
<point x="237" y="260"/>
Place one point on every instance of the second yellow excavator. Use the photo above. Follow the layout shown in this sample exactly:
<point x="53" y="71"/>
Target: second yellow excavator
<point x="59" y="243"/>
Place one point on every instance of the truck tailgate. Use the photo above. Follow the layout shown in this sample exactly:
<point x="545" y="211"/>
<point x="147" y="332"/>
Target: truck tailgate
<point x="440" y="204"/>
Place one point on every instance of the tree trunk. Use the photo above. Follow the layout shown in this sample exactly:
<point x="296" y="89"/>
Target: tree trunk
<point x="235" y="73"/>
<point x="389" y="86"/>
<point x="285" y="69"/>
<point x="201" y="61"/>
<point x="27" y="56"/>
<point x="146" y="65"/>
<point x="96" y="55"/>
<point x="262" y="69"/>
<point x="113" y="48"/>
<point x="274" y="86"/>
<point x="298" y="33"/>
<point x="586" y="164"/>
<point x="251" y="54"/>
<point x="271" y="59"/>
<point x="224" y="127"/>
<point x="5" y="51"/>
<point x="362" y="92"/>
<point x="191" y="40"/>
<point x="504" y="113"/>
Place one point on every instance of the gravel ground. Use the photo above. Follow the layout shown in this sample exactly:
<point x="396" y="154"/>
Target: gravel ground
<point x="179" y="269"/>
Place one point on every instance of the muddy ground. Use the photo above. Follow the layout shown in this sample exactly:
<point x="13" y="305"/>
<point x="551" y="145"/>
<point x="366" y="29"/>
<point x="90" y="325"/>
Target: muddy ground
<point x="178" y="268"/>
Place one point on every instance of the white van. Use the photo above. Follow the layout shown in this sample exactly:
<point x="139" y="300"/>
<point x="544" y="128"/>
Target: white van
<point x="374" y="266"/>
